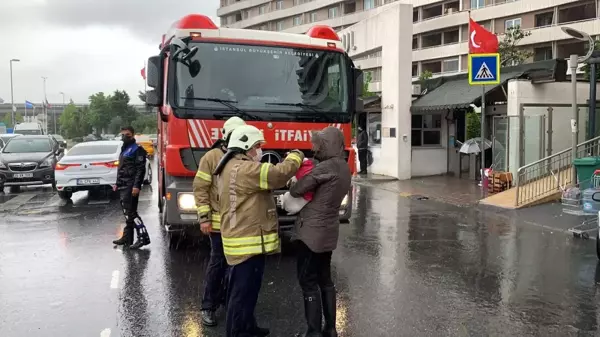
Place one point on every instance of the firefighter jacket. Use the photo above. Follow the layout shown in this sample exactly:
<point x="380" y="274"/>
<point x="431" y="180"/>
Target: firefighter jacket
<point x="132" y="166"/>
<point x="205" y="189"/>
<point x="249" y="224"/>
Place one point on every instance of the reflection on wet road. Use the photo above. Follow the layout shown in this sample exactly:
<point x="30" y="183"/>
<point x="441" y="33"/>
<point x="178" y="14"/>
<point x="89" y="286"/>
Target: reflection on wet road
<point x="403" y="268"/>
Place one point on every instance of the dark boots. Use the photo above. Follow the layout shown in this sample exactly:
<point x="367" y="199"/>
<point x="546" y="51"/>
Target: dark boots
<point x="312" y="313"/>
<point x="329" y="311"/>
<point x="127" y="238"/>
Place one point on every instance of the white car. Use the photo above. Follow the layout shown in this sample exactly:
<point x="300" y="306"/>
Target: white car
<point x="90" y="166"/>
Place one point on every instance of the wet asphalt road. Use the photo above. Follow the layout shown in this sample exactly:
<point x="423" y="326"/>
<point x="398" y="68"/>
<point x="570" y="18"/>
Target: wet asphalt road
<point x="403" y="267"/>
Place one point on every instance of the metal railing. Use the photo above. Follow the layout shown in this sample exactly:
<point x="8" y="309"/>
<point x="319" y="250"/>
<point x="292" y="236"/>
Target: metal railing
<point x="551" y="174"/>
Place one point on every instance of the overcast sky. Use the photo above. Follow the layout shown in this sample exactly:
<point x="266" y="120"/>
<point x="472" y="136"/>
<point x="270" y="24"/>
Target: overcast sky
<point x="83" y="46"/>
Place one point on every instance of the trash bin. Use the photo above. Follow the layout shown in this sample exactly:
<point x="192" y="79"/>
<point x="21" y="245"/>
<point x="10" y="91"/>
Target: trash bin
<point x="585" y="170"/>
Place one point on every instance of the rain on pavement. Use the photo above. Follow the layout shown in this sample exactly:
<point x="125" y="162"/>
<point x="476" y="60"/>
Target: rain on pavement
<point x="403" y="267"/>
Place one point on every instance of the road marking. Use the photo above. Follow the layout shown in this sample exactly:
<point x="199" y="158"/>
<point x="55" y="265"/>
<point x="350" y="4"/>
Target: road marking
<point x="16" y="202"/>
<point x="54" y="201"/>
<point x="114" y="281"/>
<point x="105" y="333"/>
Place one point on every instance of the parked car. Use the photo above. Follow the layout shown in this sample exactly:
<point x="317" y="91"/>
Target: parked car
<point x="154" y="139"/>
<point x="61" y="141"/>
<point x="29" y="129"/>
<point x="29" y="160"/>
<point x="91" y="166"/>
<point x="91" y="138"/>
<point x="145" y="142"/>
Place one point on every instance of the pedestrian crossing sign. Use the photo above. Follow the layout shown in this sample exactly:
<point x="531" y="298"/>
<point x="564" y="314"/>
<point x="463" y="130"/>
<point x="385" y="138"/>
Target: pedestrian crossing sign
<point x="484" y="69"/>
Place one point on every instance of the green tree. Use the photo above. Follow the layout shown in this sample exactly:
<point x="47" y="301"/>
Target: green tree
<point x="473" y="125"/>
<point x="120" y="107"/>
<point x="510" y="53"/>
<point x="100" y="111"/>
<point x="145" y="124"/>
<point x="586" y="67"/>
<point x="368" y="78"/>
<point x="74" y="121"/>
<point x="8" y="121"/>
<point x="425" y="75"/>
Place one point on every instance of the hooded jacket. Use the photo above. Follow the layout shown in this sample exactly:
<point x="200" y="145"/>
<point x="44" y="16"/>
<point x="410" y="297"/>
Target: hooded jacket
<point x="249" y="224"/>
<point x="205" y="190"/>
<point x="318" y="222"/>
<point x="132" y="166"/>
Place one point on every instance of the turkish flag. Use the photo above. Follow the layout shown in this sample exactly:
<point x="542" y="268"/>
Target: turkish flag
<point x="143" y="71"/>
<point x="481" y="41"/>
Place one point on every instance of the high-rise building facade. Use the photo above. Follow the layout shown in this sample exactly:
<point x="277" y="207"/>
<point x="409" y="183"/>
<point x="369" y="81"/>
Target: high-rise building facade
<point x="440" y="28"/>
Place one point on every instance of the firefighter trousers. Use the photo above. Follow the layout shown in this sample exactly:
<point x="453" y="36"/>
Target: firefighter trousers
<point x="243" y="287"/>
<point x="215" y="282"/>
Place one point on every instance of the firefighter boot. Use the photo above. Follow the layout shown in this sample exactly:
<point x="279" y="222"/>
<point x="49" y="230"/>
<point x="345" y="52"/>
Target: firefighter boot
<point x="329" y="311"/>
<point x="143" y="239"/>
<point x="312" y="313"/>
<point x="127" y="237"/>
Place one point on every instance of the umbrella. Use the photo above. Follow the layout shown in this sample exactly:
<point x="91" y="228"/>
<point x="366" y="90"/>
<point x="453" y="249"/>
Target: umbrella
<point x="473" y="145"/>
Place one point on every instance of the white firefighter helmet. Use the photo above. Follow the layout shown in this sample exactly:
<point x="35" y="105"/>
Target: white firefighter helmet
<point x="245" y="137"/>
<point x="231" y="124"/>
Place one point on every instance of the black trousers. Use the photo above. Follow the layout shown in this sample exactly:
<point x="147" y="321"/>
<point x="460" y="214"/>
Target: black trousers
<point x="215" y="283"/>
<point x="314" y="269"/>
<point x="363" y="160"/>
<point x="129" y="204"/>
<point x="243" y="287"/>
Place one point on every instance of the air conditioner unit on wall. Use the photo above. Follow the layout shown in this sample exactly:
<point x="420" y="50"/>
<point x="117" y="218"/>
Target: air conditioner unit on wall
<point x="416" y="89"/>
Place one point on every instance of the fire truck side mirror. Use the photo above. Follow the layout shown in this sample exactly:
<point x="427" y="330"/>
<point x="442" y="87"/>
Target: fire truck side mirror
<point x="153" y="98"/>
<point x="154" y="71"/>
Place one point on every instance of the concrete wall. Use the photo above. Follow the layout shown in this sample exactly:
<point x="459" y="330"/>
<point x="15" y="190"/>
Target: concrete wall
<point x="523" y="91"/>
<point x="396" y="84"/>
<point x="429" y="161"/>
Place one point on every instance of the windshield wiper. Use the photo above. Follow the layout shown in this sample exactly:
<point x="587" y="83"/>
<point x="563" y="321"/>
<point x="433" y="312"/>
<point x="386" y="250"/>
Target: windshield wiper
<point x="226" y="103"/>
<point x="301" y="105"/>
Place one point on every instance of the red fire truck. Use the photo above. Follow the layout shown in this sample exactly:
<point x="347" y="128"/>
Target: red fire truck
<point x="285" y="84"/>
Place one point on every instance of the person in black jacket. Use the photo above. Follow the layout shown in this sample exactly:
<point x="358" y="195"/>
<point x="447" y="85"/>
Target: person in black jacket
<point x="130" y="176"/>
<point x="362" y="143"/>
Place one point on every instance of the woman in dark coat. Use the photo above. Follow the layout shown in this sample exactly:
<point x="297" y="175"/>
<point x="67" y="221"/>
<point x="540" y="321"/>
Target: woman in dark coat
<point x="317" y="229"/>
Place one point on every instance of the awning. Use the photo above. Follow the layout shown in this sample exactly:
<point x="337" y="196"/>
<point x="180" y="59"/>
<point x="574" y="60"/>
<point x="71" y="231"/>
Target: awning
<point x="456" y="94"/>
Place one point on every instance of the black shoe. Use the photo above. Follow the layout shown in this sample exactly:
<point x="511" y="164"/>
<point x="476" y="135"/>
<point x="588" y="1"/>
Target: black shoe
<point x="126" y="238"/>
<point x="261" y="332"/>
<point x="138" y="244"/>
<point x="208" y="318"/>
<point x="312" y="313"/>
<point x="329" y="311"/>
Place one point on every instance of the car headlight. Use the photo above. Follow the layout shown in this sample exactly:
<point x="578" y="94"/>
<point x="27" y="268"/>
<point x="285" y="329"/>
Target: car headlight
<point x="46" y="163"/>
<point x="186" y="201"/>
<point x="345" y="201"/>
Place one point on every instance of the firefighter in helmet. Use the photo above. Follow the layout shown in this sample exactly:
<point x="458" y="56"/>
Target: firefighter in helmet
<point x="249" y="225"/>
<point x="205" y="193"/>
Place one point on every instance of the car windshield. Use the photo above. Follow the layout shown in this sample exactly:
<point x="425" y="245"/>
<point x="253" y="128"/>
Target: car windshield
<point x="274" y="78"/>
<point x="81" y="150"/>
<point x="58" y="137"/>
<point x="28" y="145"/>
<point x="5" y="139"/>
<point x="30" y="132"/>
<point x="152" y="136"/>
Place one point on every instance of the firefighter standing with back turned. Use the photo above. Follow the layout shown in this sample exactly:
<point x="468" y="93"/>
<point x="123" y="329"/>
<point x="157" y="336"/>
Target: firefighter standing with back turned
<point x="130" y="176"/>
<point x="249" y="224"/>
<point x="205" y="193"/>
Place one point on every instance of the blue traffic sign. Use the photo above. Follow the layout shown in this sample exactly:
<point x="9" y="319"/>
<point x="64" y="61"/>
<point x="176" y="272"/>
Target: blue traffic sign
<point x="484" y="69"/>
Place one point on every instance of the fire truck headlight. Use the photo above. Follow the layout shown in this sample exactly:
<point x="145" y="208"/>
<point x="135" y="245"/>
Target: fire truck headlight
<point x="186" y="201"/>
<point x="345" y="201"/>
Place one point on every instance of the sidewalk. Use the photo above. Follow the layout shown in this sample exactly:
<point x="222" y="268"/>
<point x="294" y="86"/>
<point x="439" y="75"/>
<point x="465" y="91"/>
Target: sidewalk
<point x="451" y="190"/>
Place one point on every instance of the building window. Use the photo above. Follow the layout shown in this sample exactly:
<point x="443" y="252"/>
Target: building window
<point x="313" y="17"/>
<point x="374" y="128"/>
<point x="298" y="2"/>
<point x="333" y="12"/>
<point x="450" y="65"/>
<point x="542" y="53"/>
<point x="477" y="4"/>
<point x="426" y="130"/>
<point x="512" y="23"/>
<point x="262" y="9"/>
<point x="298" y="20"/>
<point x="369" y="4"/>
<point x="246" y="14"/>
<point x="280" y="25"/>
<point x="279" y="5"/>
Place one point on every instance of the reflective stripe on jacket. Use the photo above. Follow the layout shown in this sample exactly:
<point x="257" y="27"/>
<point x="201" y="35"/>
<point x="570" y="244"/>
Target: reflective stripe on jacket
<point x="205" y="191"/>
<point x="249" y="224"/>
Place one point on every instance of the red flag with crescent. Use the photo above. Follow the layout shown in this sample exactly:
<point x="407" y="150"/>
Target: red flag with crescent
<point x="143" y="71"/>
<point x="481" y="41"/>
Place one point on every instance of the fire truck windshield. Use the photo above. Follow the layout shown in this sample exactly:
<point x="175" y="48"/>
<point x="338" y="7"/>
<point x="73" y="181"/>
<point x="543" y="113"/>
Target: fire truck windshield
<point x="263" y="78"/>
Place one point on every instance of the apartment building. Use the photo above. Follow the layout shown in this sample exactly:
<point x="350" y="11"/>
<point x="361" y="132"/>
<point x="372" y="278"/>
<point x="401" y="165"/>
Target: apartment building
<point x="440" y="28"/>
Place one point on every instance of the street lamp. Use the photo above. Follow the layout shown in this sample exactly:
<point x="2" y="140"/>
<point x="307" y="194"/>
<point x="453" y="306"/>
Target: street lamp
<point x="574" y="60"/>
<point x="45" y="111"/>
<point x="12" y="99"/>
<point x="63" y="106"/>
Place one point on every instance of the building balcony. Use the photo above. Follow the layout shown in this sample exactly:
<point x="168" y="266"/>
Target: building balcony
<point x="554" y="32"/>
<point x="441" y="51"/>
<point x="238" y="6"/>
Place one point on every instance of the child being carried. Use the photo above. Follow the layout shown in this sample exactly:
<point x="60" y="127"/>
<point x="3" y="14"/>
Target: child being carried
<point x="294" y="205"/>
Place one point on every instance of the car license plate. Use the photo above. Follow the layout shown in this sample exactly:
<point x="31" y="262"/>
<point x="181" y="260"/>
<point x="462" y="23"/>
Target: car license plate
<point x="88" y="181"/>
<point x="23" y="175"/>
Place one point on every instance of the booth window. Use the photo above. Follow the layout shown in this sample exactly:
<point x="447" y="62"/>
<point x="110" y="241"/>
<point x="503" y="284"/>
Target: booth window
<point x="374" y="128"/>
<point x="426" y="130"/>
